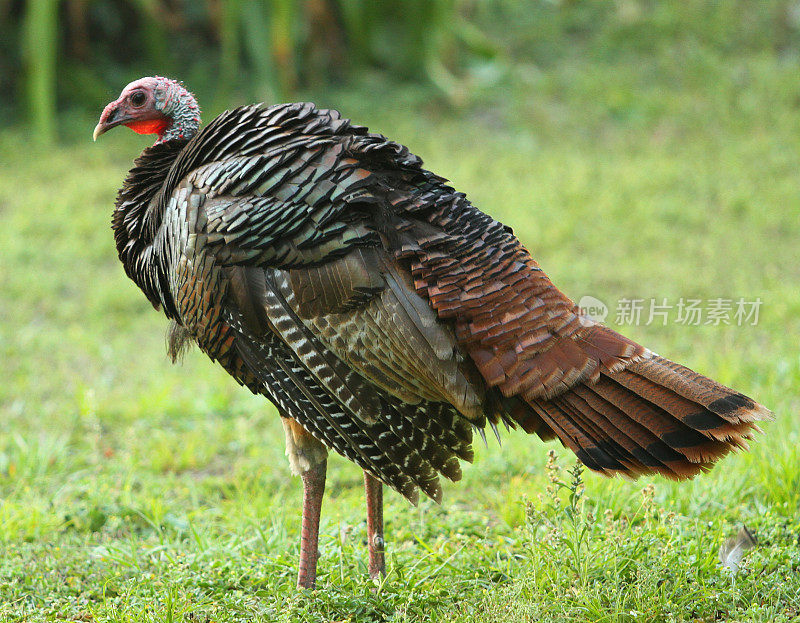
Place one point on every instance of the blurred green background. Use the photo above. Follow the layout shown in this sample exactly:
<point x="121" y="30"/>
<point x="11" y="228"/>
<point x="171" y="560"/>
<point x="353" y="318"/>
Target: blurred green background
<point x="65" y="56"/>
<point x="68" y="55"/>
<point x="638" y="148"/>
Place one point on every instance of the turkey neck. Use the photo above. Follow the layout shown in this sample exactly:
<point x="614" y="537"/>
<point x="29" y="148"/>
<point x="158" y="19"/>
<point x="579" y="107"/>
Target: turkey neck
<point x="137" y="219"/>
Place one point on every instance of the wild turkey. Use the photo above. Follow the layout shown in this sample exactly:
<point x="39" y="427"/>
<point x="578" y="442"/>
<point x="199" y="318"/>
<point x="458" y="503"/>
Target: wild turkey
<point x="384" y="315"/>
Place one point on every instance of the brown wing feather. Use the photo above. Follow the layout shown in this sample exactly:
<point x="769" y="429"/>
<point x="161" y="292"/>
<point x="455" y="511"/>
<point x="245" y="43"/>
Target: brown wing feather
<point x="523" y="334"/>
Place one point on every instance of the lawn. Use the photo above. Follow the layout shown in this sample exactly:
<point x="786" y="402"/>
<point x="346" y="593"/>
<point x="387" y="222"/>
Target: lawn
<point x="133" y="490"/>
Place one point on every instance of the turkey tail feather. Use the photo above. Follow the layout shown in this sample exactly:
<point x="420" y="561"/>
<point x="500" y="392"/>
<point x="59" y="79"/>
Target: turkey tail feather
<point x="652" y="416"/>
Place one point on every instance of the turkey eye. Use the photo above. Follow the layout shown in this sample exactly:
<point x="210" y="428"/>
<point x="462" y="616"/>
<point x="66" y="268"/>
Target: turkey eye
<point x="138" y="99"/>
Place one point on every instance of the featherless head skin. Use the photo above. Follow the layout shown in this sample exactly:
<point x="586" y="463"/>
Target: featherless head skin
<point x="153" y="105"/>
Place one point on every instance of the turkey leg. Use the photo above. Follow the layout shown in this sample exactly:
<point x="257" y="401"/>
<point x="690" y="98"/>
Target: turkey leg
<point x="308" y="458"/>
<point x="375" y="544"/>
<point x="313" y="490"/>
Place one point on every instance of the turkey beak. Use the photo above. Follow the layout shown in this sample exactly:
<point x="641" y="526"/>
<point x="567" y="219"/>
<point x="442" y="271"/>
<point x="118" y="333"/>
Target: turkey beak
<point x="112" y="117"/>
<point x="98" y="130"/>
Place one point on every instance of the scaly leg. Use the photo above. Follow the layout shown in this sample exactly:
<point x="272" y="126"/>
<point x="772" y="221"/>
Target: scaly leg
<point x="375" y="543"/>
<point x="308" y="458"/>
<point x="313" y="490"/>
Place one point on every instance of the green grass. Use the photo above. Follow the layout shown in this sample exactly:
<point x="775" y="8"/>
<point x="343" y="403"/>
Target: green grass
<point x="133" y="490"/>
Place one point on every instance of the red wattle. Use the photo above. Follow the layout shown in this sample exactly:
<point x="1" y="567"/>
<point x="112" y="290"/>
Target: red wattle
<point x="150" y="126"/>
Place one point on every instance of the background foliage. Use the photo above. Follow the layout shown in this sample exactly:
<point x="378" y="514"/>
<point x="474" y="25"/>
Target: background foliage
<point x="639" y="149"/>
<point x="58" y="55"/>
